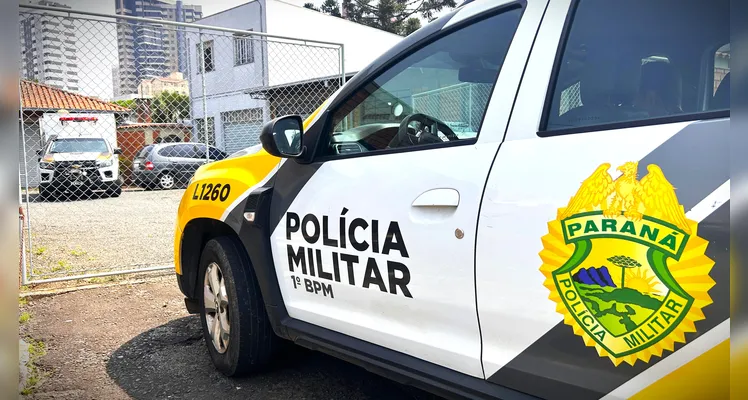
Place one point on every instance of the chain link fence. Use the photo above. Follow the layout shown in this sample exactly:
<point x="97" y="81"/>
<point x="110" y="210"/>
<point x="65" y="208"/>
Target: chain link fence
<point x="460" y="106"/>
<point x="117" y="113"/>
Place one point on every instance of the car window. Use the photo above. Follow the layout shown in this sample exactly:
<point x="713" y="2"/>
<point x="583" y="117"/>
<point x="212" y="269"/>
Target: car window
<point x="78" y="145"/>
<point x="639" y="60"/>
<point x="145" y="152"/>
<point x="168" y="151"/>
<point x="197" y="151"/>
<point x="435" y="95"/>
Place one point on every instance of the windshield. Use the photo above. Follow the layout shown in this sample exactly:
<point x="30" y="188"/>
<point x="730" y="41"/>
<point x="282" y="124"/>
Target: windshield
<point x="78" y="146"/>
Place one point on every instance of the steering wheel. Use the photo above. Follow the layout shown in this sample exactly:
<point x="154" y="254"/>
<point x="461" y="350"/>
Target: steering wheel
<point x="405" y="138"/>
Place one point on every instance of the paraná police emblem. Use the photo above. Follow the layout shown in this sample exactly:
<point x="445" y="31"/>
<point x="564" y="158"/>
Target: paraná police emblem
<point x="625" y="265"/>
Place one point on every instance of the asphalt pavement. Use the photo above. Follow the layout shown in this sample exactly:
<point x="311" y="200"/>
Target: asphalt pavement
<point x="137" y="342"/>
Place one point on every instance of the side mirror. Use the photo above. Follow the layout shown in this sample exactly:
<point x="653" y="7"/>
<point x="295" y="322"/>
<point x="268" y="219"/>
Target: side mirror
<point x="117" y="151"/>
<point x="282" y="137"/>
<point x="39" y="152"/>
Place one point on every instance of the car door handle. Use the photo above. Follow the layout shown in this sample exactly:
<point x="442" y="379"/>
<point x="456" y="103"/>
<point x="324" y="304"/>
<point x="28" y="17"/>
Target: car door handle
<point x="441" y="197"/>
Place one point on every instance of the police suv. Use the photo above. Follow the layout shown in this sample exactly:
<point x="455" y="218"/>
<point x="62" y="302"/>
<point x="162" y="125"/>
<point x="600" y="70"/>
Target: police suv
<point x="522" y="199"/>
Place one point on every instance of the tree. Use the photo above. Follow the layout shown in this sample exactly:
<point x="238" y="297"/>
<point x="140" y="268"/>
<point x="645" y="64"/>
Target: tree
<point x="311" y="6"/>
<point x="411" y="25"/>
<point x="624" y="262"/>
<point x="130" y="104"/>
<point x="170" y="107"/>
<point x="331" y="7"/>
<point x="396" y="16"/>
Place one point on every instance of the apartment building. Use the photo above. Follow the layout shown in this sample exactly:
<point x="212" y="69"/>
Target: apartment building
<point x="49" y="49"/>
<point x="147" y="51"/>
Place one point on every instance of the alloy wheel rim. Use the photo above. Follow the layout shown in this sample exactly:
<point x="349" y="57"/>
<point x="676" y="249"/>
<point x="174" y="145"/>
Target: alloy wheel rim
<point x="216" y="303"/>
<point x="167" y="181"/>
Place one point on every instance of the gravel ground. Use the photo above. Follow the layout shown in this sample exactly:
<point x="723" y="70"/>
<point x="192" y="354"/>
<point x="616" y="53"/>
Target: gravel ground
<point x="138" y="342"/>
<point x="103" y="233"/>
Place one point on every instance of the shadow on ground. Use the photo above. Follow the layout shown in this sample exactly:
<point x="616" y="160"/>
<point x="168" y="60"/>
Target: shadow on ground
<point x="171" y="361"/>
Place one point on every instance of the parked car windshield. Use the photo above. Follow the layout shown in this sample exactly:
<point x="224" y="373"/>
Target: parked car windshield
<point x="78" y="145"/>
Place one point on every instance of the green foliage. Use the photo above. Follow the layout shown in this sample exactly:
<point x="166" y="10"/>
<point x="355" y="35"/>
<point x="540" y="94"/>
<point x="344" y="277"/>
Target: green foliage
<point x="411" y="25"/>
<point x="130" y="104"/>
<point x="78" y="252"/>
<point x="396" y="16"/>
<point x="24" y="317"/>
<point x="331" y="7"/>
<point x="37" y="349"/>
<point x="170" y="107"/>
<point x="62" y="265"/>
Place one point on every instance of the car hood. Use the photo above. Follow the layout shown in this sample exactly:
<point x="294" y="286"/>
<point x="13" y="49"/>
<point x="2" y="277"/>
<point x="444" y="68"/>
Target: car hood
<point x="88" y="156"/>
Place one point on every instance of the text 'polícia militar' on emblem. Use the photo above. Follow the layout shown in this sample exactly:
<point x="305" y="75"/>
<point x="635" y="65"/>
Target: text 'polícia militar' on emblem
<point x="625" y="265"/>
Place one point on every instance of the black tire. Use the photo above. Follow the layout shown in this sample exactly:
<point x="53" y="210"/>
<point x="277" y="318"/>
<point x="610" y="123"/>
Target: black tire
<point x="48" y="194"/>
<point x="252" y="342"/>
<point x="115" y="191"/>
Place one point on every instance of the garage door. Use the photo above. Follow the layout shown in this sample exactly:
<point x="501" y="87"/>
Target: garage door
<point x="241" y="129"/>
<point x="32" y="143"/>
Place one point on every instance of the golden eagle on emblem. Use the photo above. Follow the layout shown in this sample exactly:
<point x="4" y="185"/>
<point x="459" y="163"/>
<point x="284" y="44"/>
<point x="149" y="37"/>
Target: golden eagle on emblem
<point x="653" y="195"/>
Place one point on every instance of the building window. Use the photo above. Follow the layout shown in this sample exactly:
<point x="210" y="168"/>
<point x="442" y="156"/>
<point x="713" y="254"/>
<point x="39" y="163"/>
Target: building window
<point x="200" y="130"/>
<point x="206" y="52"/>
<point x="243" y="51"/>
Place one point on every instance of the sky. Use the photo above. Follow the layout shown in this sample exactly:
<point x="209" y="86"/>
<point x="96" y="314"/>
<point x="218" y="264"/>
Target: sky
<point x="97" y="45"/>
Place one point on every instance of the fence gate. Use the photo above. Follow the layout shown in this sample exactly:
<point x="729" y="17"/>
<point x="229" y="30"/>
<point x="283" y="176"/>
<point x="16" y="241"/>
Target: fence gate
<point x="118" y="112"/>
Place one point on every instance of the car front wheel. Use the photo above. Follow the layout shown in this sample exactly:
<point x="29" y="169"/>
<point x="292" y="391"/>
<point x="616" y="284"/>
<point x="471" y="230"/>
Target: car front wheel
<point x="236" y="328"/>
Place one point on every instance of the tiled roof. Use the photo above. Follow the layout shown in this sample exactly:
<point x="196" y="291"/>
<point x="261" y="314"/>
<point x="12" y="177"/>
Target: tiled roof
<point x="36" y="96"/>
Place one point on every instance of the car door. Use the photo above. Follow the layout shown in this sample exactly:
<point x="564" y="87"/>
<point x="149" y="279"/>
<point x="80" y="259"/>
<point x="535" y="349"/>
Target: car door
<point x="602" y="253"/>
<point x="376" y="235"/>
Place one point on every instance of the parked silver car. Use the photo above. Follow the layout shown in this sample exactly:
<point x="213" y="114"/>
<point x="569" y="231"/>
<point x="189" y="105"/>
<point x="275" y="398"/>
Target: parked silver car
<point x="171" y="165"/>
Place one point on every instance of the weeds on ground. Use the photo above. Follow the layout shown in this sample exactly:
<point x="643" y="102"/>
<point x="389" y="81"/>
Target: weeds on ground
<point x="24" y="317"/>
<point x="40" y="250"/>
<point x="103" y="279"/>
<point x="78" y="252"/>
<point x="22" y="301"/>
<point x="62" y="265"/>
<point x="37" y="349"/>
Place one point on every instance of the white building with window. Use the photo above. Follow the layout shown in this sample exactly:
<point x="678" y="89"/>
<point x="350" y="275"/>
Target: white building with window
<point x="223" y="67"/>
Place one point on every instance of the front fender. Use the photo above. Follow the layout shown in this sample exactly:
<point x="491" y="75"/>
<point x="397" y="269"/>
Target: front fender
<point x="207" y="196"/>
<point x="201" y="199"/>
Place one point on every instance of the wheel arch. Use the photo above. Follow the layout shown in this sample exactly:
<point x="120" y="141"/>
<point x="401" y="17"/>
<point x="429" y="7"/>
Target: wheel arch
<point x="195" y="235"/>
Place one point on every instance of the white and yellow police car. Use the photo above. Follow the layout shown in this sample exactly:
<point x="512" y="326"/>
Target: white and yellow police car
<point x="522" y="199"/>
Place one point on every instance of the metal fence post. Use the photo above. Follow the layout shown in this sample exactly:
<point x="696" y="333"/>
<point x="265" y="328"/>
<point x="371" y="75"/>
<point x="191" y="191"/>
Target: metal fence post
<point x="205" y="98"/>
<point x="27" y="216"/>
<point x="342" y="65"/>
<point x="24" y="279"/>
